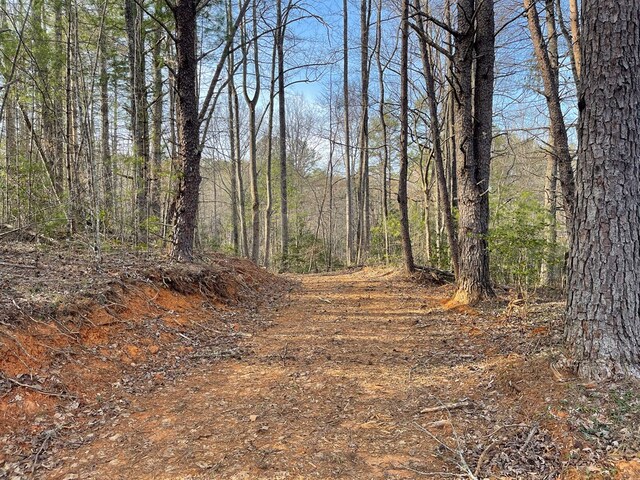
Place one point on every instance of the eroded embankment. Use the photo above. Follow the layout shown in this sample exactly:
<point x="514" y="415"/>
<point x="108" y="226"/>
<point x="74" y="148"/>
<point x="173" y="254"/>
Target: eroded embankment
<point x="72" y="357"/>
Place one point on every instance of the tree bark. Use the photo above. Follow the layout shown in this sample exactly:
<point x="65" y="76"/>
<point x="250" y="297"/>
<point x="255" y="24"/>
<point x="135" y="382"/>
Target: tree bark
<point x="184" y="12"/>
<point x="156" y="122"/>
<point x="474" y="112"/>
<point x="603" y="309"/>
<point x="347" y="133"/>
<point x="363" y="141"/>
<point x="105" y="140"/>
<point x="384" y="130"/>
<point x="404" y="137"/>
<point x="268" y="213"/>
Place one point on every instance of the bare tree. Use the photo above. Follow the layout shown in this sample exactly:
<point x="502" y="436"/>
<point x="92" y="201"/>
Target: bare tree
<point x="559" y="139"/>
<point x="252" y="103"/>
<point x="436" y="134"/>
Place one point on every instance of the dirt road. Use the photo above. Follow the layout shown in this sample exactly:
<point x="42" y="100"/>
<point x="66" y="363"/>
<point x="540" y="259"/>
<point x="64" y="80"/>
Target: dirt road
<point x="348" y="382"/>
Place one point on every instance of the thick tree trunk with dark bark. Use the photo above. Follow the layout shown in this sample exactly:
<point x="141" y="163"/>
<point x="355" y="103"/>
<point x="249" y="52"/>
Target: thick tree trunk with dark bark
<point x="474" y="112"/>
<point x="188" y="130"/>
<point x="603" y="308"/>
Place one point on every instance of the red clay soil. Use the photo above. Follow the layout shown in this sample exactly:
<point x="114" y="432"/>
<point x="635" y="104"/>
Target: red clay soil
<point x="361" y="375"/>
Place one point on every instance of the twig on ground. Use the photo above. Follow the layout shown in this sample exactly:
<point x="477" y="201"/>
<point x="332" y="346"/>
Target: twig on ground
<point x="431" y="474"/>
<point x="38" y="389"/>
<point x="526" y="443"/>
<point x="447" y="406"/>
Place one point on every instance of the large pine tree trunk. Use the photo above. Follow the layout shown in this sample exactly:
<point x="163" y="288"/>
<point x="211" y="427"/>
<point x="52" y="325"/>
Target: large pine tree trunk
<point x="474" y="111"/>
<point x="188" y="130"/>
<point x="603" y="310"/>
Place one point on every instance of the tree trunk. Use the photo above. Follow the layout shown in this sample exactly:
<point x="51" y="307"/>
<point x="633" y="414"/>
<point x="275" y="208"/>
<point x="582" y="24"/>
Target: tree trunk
<point x="282" y="120"/>
<point x="559" y="139"/>
<point x="269" y="203"/>
<point x="384" y="130"/>
<point x="550" y="204"/>
<point x="347" y="134"/>
<point x="474" y="111"/>
<point x="105" y="140"/>
<point x="233" y="161"/>
<point x="156" y="122"/>
<point x="189" y="153"/>
<point x="363" y="141"/>
<point x="404" y="137"/>
<point x="138" y="106"/>
<point x="603" y="308"/>
<point x="238" y="172"/>
<point x="252" y="103"/>
<point x="436" y="135"/>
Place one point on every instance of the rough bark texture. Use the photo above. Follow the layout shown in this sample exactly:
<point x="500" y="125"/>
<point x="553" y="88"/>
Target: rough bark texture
<point x="404" y="136"/>
<point x="474" y="112"/>
<point x="188" y="130"/>
<point x="603" y="310"/>
<point x="384" y="155"/>
<point x="268" y="212"/>
<point x="232" y="154"/>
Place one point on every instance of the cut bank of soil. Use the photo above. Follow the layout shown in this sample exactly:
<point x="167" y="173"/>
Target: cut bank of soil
<point x="79" y="340"/>
<point x="365" y="376"/>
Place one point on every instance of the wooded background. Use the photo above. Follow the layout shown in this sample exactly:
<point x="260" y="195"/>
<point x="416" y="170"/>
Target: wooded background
<point x="300" y="127"/>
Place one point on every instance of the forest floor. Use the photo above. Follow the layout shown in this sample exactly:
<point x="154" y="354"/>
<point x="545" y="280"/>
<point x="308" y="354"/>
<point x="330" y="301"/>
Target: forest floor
<point x="357" y="375"/>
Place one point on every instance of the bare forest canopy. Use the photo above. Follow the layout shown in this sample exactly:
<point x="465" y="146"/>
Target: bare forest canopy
<point x="312" y="136"/>
<point x="91" y="145"/>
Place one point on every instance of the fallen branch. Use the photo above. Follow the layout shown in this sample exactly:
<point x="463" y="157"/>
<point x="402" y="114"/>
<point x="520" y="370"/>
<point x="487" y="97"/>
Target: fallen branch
<point x="38" y="389"/>
<point x="447" y="406"/>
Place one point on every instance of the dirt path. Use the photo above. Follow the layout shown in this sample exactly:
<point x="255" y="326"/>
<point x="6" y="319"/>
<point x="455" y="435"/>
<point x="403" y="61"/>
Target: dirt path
<point x="334" y="389"/>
